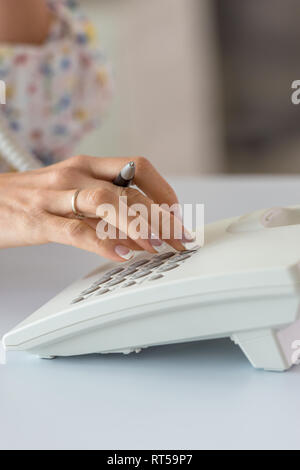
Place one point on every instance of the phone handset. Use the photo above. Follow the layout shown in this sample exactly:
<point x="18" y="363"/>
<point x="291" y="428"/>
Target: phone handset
<point x="266" y="218"/>
<point x="13" y="153"/>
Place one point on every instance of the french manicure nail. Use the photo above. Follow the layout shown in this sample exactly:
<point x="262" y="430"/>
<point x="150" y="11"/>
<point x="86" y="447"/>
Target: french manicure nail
<point x="157" y="244"/>
<point x="124" y="252"/>
<point x="188" y="237"/>
<point x="155" y="240"/>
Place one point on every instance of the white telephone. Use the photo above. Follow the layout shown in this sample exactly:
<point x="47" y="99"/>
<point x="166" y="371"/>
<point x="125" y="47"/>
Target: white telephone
<point x="244" y="283"/>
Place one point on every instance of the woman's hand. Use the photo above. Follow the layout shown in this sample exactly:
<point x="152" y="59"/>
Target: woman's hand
<point x="35" y="206"/>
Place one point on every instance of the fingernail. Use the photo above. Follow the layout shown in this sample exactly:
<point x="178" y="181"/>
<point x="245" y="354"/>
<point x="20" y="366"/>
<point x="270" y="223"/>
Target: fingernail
<point x="155" y="240"/>
<point x="188" y="237"/>
<point x="157" y="244"/>
<point x="124" y="252"/>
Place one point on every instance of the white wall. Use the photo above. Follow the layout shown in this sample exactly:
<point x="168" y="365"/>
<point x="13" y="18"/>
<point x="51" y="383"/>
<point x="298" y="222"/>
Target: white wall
<point x="166" y="93"/>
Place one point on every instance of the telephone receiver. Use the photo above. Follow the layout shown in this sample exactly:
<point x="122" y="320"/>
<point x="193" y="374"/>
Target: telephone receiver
<point x="259" y="220"/>
<point x="13" y="153"/>
<point x="242" y="283"/>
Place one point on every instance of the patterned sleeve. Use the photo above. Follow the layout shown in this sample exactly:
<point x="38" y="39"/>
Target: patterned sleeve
<point x="58" y="91"/>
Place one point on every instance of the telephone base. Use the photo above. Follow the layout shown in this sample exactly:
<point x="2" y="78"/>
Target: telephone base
<point x="244" y="283"/>
<point x="263" y="349"/>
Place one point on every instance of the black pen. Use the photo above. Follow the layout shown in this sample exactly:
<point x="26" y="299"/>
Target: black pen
<point x="126" y="175"/>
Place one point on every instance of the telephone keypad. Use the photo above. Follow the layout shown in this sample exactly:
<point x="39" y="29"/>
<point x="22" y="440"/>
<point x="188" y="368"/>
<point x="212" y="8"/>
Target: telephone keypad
<point x="102" y="280"/>
<point x="102" y="291"/>
<point x="129" y="284"/>
<point x="134" y="273"/>
<point x="139" y="263"/>
<point x="164" y="256"/>
<point x="141" y="274"/>
<point x="168" y="267"/>
<point x="129" y="271"/>
<point x="155" y="277"/>
<point x="155" y="264"/>
<point x="90" y="290"/>
<point x="180" y="257"/>
<point x="112" y="272"/>
<point x="114" y="282"/>
<point x="77" y="299"/>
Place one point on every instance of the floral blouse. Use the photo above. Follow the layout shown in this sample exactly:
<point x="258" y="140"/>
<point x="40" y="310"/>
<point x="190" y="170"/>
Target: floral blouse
<point x="58" y="91"/>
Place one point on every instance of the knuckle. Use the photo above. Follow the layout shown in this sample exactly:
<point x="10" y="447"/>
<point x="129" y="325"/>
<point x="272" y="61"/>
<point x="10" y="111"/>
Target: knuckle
<point x="54" y="177"/>
<point x="142" y="164"/>
<point x="131" y="194"/>
<point x="63" y="176"/>
<point x="79" y="161"/>
<point x="98" y="196"/>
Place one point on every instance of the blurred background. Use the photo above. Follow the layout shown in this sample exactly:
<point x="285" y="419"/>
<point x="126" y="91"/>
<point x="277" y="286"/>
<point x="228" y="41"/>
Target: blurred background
<point x="201" y="86"/>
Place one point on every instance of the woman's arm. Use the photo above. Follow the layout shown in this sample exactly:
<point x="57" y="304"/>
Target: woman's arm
<point x="24" y="21"/>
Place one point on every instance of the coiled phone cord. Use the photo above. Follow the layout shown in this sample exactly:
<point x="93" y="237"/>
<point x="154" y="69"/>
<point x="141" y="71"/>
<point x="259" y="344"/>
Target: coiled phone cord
<point x="12" y="153"/>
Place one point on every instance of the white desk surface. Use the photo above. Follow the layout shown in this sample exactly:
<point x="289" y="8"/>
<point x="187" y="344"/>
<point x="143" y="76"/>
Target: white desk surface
<point x="202" y="395"/>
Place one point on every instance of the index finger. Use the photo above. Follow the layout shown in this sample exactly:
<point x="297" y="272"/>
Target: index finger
<point x="147" y="178"/>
